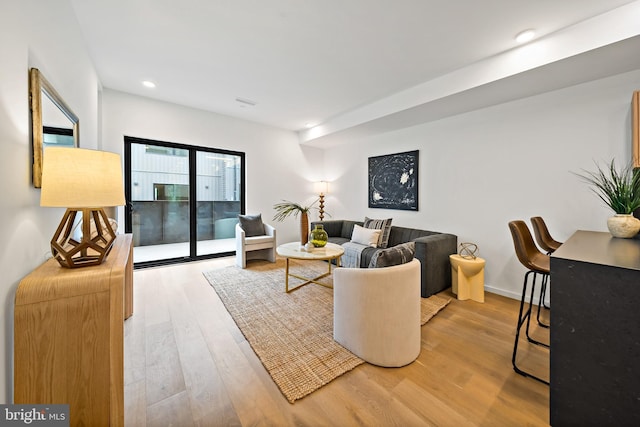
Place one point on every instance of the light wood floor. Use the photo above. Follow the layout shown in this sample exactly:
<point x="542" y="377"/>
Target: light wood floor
<point x="186" y="363"/>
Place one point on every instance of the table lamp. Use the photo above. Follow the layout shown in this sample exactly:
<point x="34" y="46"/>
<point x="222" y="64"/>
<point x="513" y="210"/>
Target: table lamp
<point x="321" y="187"/>
<point x="83" y="181"/>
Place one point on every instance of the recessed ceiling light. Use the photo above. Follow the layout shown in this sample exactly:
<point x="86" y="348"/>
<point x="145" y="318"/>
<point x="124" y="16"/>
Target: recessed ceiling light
<point x="525" y="36"/>
<point x="309" y="125"/>
<point x="149" y="84"/>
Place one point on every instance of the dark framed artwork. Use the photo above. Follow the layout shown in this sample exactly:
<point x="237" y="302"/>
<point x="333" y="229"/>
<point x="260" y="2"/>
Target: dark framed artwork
<point x="393" y="181"/>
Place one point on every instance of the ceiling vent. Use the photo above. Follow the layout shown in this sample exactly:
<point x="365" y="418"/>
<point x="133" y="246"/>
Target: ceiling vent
<point x="245" y="102"/>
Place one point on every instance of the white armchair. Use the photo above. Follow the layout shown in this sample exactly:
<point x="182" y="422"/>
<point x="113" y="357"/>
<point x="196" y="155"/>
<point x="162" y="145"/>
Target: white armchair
<point x="256" y="247"/>
<point x="376" y="313"/>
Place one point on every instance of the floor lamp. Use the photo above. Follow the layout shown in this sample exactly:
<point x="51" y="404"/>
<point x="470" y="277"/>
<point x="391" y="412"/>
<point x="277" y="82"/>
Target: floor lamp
<point x="321" y="187"/>
<point x="83" y="181"/>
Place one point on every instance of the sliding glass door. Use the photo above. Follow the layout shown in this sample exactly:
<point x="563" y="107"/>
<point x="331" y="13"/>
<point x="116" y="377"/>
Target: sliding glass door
<point x="218" y="177"/>
<point x="183" y="201"/>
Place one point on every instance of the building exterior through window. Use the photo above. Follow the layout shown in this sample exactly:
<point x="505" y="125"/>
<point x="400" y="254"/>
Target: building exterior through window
<point x="183" y="201"/>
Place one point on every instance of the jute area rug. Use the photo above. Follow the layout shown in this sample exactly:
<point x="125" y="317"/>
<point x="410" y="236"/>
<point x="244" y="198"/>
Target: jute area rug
<point x="292" y="333"/>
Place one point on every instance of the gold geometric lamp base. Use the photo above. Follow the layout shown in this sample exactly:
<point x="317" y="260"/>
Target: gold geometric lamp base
<point x="94" y="245"/>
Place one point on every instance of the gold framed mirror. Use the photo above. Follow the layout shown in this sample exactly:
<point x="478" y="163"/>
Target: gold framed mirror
<point x="52" y="121"/>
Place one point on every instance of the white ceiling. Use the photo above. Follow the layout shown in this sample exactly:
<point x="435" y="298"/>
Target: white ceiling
<point x="304" y="61"/>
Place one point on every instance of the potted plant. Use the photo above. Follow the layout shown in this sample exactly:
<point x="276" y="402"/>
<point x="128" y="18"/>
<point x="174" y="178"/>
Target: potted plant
<point x="620" y="190"/>
<point x="287" y="208"/>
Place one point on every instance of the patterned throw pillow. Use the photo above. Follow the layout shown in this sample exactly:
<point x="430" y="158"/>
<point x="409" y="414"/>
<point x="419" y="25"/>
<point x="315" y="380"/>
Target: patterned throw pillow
<point x="395" y="255"/>
<point x="252" y="225"/>
<point x="380" y="224"/>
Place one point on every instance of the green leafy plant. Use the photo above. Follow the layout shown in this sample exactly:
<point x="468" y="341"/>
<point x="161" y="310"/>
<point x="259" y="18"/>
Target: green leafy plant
<point x="618" y="189"/>
<point x="287" y="208"/>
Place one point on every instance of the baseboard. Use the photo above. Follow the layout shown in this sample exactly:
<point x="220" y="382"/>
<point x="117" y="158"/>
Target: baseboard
<point x="502" y="292"/>
<point x="513" y="295"/>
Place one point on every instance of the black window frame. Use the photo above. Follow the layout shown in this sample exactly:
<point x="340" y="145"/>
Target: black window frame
<point x="192" y="149"/>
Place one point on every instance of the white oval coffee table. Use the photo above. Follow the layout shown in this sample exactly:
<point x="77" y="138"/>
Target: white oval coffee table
<point x="293" y="250"/>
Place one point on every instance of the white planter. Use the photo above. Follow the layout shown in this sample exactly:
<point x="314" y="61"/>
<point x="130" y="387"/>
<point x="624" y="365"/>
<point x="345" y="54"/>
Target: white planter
<point x="623" y="225"/>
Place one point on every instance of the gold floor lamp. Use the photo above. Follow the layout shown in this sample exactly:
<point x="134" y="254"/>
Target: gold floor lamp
<point x="321" y="187"/>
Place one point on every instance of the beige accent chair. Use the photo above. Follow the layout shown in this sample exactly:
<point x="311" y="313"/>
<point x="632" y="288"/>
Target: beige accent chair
<point x="257" y="247"/>
<point x="376" y="313"/>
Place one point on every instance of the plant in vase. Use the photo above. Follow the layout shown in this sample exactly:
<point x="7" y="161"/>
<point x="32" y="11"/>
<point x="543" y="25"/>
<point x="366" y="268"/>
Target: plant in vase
<point x="620" y="190"/>
<point x="287" y="208"/>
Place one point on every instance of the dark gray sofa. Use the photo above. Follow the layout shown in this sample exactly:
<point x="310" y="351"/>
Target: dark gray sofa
<point x="432" y="250"/>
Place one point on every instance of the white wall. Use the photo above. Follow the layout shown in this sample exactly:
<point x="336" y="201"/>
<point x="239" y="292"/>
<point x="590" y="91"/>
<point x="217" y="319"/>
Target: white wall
<point x="477" y="171"/>
<point x="277" y="166"/>
<point x="480" y="170"/>
<point x="28" y="39"/>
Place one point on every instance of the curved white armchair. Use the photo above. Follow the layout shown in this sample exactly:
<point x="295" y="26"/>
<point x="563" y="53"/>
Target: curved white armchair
<point x="376" y="313"/>
<point x="257" y="247"/>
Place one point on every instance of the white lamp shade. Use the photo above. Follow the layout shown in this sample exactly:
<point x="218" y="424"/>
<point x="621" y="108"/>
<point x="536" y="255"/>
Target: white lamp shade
<point x="81" y="178"/>
<point x="321" y="187"/>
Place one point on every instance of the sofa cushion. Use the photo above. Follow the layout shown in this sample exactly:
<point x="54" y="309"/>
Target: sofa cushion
<point x="347" y="228"/>
<point x="366" y="255"/>
<point x="400" y="235"/>
<point x="252" y="225"/>
<point x="257" y="240"/>
<point x="338" y="240"/>
<point x="394" y="255"/>
<point x="380" y="224"/>
<point x="365" y="236"/>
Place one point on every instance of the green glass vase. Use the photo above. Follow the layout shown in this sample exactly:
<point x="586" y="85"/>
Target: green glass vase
<point x="318" y="237"/>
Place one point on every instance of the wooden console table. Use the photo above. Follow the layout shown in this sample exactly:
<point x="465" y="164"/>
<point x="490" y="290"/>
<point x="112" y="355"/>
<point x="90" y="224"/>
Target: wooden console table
<point x="69" y="336"/>
<point x="595" y="351"/>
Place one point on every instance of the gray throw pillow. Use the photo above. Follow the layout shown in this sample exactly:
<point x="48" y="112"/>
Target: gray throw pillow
<point x="252" y="225"/>
<point x="395" y="255"/>
<point x="380" y="224"/>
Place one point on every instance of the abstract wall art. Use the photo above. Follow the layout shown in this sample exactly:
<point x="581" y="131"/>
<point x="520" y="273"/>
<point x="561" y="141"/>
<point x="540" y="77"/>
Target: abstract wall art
<point x="393" y="181"/>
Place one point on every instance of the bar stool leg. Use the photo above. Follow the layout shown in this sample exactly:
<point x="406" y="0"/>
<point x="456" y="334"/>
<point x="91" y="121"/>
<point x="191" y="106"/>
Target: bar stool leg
<point x="528" y="314"/>
<point x="543" y="292"/>
<point x="521" y="320"/>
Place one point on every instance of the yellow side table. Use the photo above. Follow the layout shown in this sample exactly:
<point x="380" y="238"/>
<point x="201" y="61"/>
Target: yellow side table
<point x="467" y="277"/>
